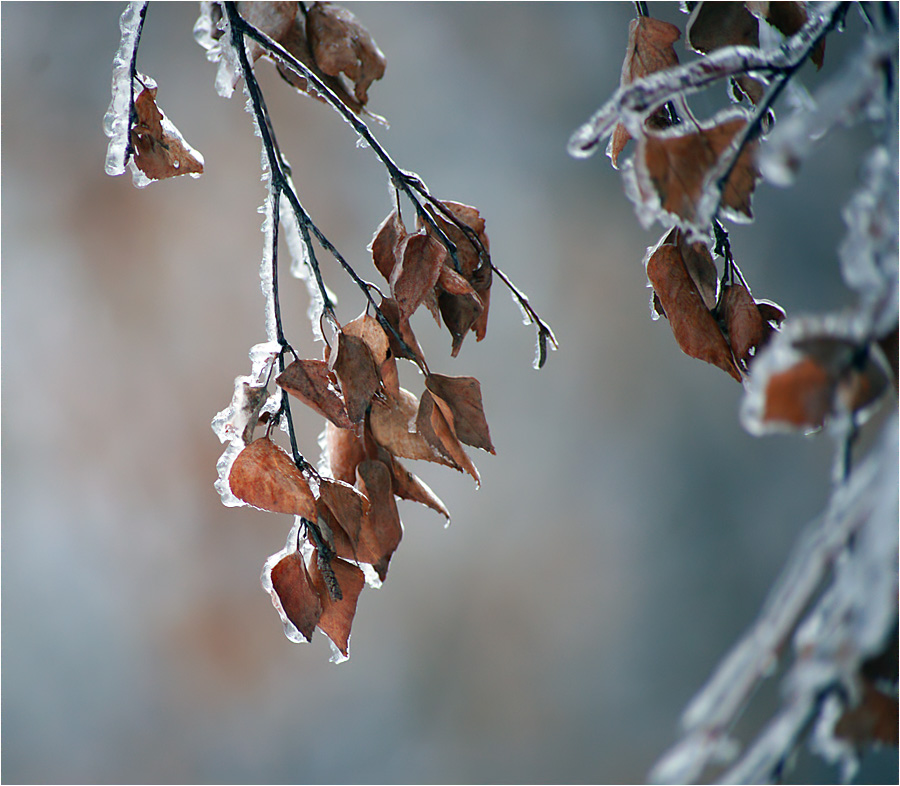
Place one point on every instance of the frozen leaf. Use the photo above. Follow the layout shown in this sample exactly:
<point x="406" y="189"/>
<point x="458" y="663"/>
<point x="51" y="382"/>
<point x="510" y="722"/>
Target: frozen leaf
<point x="434" y="422"/>
<point x="407" y="486"/>
<point x="341" y="45"/>
<point x="337" y="615"/>
<point x="422" y="258"/>
<point x="272" y="18"/>
<point x="393" y="427"/>
<point x="788" y="18"/>
<point x="743" y="321"/>
<point x="700" y="266"/>
<point x="357" y="374"/>
<point x="388" y="237"/>
<point x="264" y="476"/>
<point x="381" y="530"/>
<point x="650" y="48"/>
<point x="346" y="504"/>
<point x="160" y="149"/>
<point x="694" y="327"/>
<point x="312" y="383"/>
<point x="463" y="397"/>
<point x="872" y="721"/>
<point x="716" y="25"/>
<point x="679" y="167"/>
<point x="293" y="591"/>
<point x="344" y="449"/>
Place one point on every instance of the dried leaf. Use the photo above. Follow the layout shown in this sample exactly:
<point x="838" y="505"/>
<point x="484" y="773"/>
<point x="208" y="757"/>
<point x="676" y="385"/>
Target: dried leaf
<point x="264" y="476"/>
<point x="650" y="48"/>
<point x="346" y="504"/>
<point x="788" y="18"/>
<point x="463" y="397"/>
<point x="372" y="334"/>
<point x="337" y="615"/>
<point x="872" y="721"/>
<point x="391" y="312"/>
<point x="275" y="19"/>
<point x="800" y="396"/>
<point x="700" y="266"/>
<point x="344" y="449"/>
<point x="716" y="25"/>
<point x="312" y="383"/>
<point x="340" y="44"/>
<point x="459" y="313"/>
<point x="679" y="166"/>
<point x="407" y="486"/>
<point x="466" y="252"/>
<point x="296" y="594"/>
<point x="357" y="374"/>
<point x="434" y="422"/>
<point x="694" y="327"/>
<point x="392" y="424"/>
<point x="383" y="247"/>
<point x="159" y="148"/>
<point x="744" y="324"/>
<point x="381" y="530"/>
<point x="422" y="257"/>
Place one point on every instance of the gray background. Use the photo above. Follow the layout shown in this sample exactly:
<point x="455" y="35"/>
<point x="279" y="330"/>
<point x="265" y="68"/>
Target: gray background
<point x="625" y="533"/>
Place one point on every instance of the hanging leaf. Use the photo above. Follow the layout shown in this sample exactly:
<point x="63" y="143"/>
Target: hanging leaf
<point x="407" y="486"/>
<point x="337" y="615"/>
<point x="357" y="374"/>
<point x="312" y="383"/>
<point x="393" y="427"/>
<point x="295" y="592"/>
<point x="422" y="258"/>
<point x="347" y="505"/>
<point x="264" y="476"/>
<point x="434" y="422"/>
<point x="344" y="449"/>
<point x="381" y="531"/>
<point x="463" y="397"/>
<point x="160" y="150"/>
<point x="694" y="327"/>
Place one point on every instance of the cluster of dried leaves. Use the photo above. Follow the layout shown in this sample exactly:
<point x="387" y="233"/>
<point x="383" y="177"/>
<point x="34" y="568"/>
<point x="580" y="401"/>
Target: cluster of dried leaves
<point x="801" y="374"/>
<point x="349" y="516"/>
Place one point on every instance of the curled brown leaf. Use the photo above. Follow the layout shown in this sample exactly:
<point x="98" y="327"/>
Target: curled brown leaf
<point x="264" y="476"/>
<point x="337" y="615"/>
<point x="298" y="597"/>
<point x="312" y="383"/>
<point x="159" y="149"/>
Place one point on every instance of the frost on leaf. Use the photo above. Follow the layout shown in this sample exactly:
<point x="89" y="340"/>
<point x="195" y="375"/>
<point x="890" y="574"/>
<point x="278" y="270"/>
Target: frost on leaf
<point x="813" y="370"/>
<point x="264" y="476"/>
<point x="694" y="327"/>
<point x="677" y="170"/>
<point x="160" y="149"/>
<point x="650" y="48"/>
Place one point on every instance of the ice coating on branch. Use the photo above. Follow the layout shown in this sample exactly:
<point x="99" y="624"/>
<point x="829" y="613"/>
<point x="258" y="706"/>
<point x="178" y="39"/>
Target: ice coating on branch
<point x="868" y="253"/>
<point x="117" y="121"/>
<point x="856" y="93"/>
<point x="301" y="267"/>
<point x="210" y="31"/>
<point x="266" y="281"/>
<point x="631" y="103"/>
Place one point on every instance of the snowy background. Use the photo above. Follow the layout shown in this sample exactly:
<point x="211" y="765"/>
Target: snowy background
<point x="625" y="534"/>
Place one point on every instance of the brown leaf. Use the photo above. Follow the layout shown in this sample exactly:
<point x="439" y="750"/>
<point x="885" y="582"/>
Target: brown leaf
<point x="337" y="615"/>
<point x="422" y="257"/>
<point x="466" y="252"/>
<point x="357" y="374"/>
<point x="679" y="166"/>
<point x="744" y="324"/>
<point x="298" y="597"/>
<point x="312" y="383"/>
<point x="345" y="449"/>
<point x="694" y="327"/>
<point x="463" y="397"/>
<point x="460" y="313"/>
<point x="340" y="44"/>
<point x="700" y="266"/>
<point x="372" y="334"/>
<point x="650" y="48"/>
<point x="264" y="476"/>
<point x="800" y="395"/>
<point x="392" y="423"/>
<point x="391" y="312"/>
<point x="771" y="312"/>
<point x="788" y="18"/>
<point x="872" y="721"/>
<point x="717" y="25"/>
<point x="388" y="237"/>
<point x="275" y="19"/>
<point x="381" y="530"/>
<point x="407" y="486"/>
<point x="434" y="422"/>
<point x="159" y="149"/>
<point x="346" y="503"/>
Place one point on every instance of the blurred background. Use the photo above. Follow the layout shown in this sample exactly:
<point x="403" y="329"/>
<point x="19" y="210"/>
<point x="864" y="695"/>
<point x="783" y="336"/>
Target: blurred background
<point x="626" y="531"/>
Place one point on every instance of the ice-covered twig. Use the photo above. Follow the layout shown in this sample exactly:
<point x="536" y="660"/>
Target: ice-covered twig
<point x="631" y="102"/>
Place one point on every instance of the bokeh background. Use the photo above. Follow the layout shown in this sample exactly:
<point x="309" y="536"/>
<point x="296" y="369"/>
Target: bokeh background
<point x="625" y="534"/>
